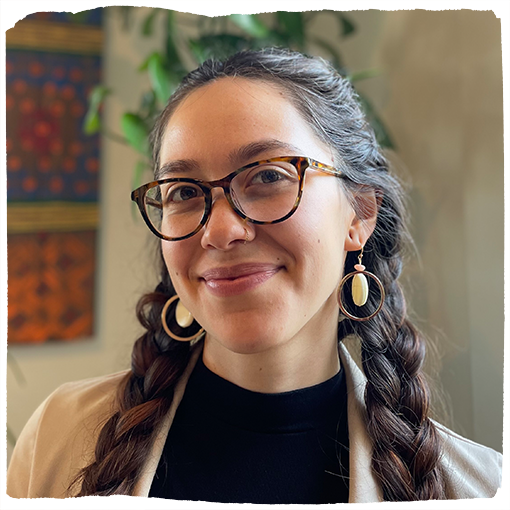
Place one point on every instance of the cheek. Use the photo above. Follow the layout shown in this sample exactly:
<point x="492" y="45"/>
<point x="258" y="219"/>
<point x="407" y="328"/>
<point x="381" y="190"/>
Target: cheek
<point x="324" y="215"/>
<point x="177" y="258"/>
<point x="318" y="232"/>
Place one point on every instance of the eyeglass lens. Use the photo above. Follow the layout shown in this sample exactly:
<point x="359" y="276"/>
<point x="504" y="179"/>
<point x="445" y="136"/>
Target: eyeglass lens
<point x="266" y="193"/>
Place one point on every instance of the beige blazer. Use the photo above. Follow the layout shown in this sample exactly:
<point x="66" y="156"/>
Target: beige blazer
<point x="59" y="440"/>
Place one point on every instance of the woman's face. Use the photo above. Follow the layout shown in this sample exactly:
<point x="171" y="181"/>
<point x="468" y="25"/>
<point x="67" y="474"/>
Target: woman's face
<point x="281" y="284"/>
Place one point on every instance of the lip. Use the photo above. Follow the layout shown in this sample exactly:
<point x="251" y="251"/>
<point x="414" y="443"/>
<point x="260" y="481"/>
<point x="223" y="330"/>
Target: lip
<point x="234" y="280"/>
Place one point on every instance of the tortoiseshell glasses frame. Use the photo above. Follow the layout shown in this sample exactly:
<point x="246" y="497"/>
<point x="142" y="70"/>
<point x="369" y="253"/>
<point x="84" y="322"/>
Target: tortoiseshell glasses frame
<point x="301" y="163"/>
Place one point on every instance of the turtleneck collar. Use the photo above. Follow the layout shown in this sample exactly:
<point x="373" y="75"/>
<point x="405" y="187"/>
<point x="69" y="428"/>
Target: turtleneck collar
<point x="291" y="411"/>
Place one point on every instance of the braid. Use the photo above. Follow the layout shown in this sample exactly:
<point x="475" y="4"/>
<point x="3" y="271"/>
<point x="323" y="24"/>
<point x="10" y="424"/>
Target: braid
<point x="143" y="398"/>
<point x="406" y="446"/>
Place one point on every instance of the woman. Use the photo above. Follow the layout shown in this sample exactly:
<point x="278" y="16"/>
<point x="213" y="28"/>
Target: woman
<point x="281" y="238"/>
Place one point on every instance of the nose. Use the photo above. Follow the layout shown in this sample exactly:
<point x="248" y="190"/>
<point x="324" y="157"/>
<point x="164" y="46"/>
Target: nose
<point x="224" y="229"/>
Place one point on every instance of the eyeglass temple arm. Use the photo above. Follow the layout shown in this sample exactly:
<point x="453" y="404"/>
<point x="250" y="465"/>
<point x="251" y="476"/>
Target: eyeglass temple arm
<point x="325" y="168"/>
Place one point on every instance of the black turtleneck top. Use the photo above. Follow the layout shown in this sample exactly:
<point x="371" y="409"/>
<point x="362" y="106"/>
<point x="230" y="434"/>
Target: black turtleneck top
<point x="231" y="445"/>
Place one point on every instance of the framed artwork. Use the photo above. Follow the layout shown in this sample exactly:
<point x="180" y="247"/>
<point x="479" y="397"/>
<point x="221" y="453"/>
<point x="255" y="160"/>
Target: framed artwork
<point x="53" y="60"/>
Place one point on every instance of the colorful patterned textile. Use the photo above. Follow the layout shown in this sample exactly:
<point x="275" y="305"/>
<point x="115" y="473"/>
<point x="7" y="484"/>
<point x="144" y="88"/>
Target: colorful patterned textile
<point x="52" y="62"/>
<point x="51" y="285"/>
<point x="49" y="157"/>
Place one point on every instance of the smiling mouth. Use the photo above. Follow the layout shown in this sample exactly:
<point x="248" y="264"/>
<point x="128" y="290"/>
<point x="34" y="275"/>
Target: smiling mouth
<point x="231" y="281"/>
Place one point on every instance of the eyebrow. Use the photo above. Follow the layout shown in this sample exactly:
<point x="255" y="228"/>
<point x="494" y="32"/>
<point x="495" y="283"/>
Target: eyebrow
<point x="178" y="166"/>
<point x="245" y="154"/>
<point x="240" y="156"/>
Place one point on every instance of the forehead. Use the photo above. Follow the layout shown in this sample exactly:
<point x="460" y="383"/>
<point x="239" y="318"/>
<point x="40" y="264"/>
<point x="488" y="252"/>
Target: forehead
<point x="222" y="116"/>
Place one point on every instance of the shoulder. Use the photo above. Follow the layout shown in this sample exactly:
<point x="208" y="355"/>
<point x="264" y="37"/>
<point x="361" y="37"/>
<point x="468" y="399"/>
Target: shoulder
<point x="86" y="396"/>
<point x="471" y="470"/>
<point x="59" y="438"/>
<point x="78" y="405"/>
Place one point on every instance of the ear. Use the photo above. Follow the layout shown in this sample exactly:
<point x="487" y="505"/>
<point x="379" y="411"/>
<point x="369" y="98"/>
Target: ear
<point x="366" y="202"/>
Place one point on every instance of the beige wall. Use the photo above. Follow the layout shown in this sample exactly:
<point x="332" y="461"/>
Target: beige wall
<point x="440" y="94"/>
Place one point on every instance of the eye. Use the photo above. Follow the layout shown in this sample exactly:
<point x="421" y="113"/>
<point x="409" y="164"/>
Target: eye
<point x="181" y="193"/>
<point x="270" y="175"/>
<point x="267" y="176"/>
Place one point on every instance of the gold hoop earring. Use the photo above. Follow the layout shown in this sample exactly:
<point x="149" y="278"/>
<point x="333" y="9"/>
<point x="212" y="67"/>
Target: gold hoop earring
<point x="360" y="290"/>
<point x="183" y="322"/>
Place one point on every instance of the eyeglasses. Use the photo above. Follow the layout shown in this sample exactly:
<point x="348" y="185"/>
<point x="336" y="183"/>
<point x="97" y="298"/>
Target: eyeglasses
<point x="264" y="192"/>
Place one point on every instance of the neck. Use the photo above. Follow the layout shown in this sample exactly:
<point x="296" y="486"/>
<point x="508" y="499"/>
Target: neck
<point x="310" y="357"/>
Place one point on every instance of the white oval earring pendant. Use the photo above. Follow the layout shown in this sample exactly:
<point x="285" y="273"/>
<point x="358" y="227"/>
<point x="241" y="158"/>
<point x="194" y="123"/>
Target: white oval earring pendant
<point x="183" y="315"/>
<point x="359" y="289"/>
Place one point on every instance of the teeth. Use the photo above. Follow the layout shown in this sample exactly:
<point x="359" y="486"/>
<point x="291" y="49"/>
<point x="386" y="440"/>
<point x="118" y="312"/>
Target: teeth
<point x="359" y="289"/>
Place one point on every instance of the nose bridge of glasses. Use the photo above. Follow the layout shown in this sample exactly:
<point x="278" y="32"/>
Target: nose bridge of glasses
<point x="224" y="184"/>
<point x="220" y="183"/>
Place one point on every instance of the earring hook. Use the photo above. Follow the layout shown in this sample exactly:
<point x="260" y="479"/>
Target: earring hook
<point x="360" y="256"/>
<point x="359" y="266"/>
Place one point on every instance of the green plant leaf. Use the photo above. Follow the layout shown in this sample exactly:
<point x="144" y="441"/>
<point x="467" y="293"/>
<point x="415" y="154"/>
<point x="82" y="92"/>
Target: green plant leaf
<point x="346" y="25"/>
<point x="381" y="133"/>
<point x="97" y="95"/>
<point x="198" y="50"/>
<point x="91" y="123"/>
<point x="160" y="78"/>
<point x="219" y="46"/>
<point x="336" y="58"/>
<point x="293" y="25"/>
<point x="148" y="22"/>
<point x="136" y="132"/>
<point x="148" y="105"/>
<point x="251" y="24"/>
<point x="92" y="120"/>
<point x="275" y="38"/>
<point x="363" y="75"/>
<point x="144" y="65"/>
<point x="174" y="62"/>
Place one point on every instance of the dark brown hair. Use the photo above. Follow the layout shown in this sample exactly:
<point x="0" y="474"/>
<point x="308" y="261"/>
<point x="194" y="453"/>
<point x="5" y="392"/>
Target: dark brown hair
<point x="406" y="446"/>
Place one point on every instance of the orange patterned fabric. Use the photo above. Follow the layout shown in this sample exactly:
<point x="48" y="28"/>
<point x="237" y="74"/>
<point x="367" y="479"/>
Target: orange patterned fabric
<point x="50" y="286"/>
